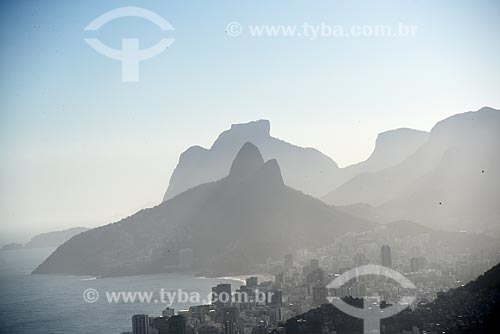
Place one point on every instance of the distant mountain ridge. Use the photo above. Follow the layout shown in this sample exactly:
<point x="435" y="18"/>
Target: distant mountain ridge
<point x="226" y="227"/>
<point x="304" y="169"/>
<point x="55" y="238"/>
<point x="48" y="239"/>
<point x="453" y="181"/>
<point x="391" y="147"/>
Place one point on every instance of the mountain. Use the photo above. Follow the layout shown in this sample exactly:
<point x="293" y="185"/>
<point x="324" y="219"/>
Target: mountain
<point x="305" y="169"/>
<point x="48" y="239"/>
<point x="55" y="238"/>
<point x="12" y="246"/>
<point x="217" y="228"/>
<point x="452" y="182"/>
<point x="391" y="147"/>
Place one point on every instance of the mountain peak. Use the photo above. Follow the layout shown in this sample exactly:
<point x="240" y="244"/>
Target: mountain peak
<point x="247" y="161"/>
<point x="260" y="127"/>
<point x="270" y="173"/>
<point x="255" y="131"/>
<point x="399" y="134"/>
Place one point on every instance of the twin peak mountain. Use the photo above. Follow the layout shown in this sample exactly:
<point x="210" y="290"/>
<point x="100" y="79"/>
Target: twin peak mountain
<point x="250" y="164"/>
<point x="229" y="226"/>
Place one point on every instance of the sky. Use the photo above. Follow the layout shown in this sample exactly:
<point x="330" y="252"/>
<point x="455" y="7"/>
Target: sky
<point x="79" y="147"/>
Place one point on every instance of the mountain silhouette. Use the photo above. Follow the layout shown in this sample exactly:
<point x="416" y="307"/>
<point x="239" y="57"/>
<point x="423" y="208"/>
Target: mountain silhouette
<point x="451" y="182"/>
<point x="391" y="147"/>
<point x="228" y="226"/>
<point x="55" y="238"/>
<point x="305" y="169"/>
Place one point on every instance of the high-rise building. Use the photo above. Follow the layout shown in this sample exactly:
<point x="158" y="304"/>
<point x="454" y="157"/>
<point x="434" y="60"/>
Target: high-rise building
<point x="199" y="312"/>
<point x="140" y="324"/>
<point x="279" y="279"/>
<point x="177" y="325"/>
<point x="229" y="327"/>
<point x="314" y="264"/>
<point x="230" y="316"/>
<point x="386" y="256"/>
<point x="252" y="282"/>
<point x="316" y="276"/>
<point x="275" y="298"/>
<point x="414" y="264"/>
<point x="151" y="326"/>
<point x="161" y="325"/>
<point x="221" y="294"/>
<point x="275" y="315"/>
<point x="422" y="262"/>
<point x="319" y="294"/>
<point x="261" y="328"/>
<point x="244" y="294"/>
<point x="288" y="261"/>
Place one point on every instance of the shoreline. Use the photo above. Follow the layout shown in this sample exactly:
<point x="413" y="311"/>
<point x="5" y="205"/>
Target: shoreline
<point x="261" y="277"/>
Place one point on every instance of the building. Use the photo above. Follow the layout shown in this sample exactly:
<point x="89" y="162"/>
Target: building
<point x="252" y="282"/>
<point x="414" y="264"/>
<point x="422" y="263"/>
<point x="151" y="326"/>
<point x="275" y="315"/>
<point x="275" y="298"/>
<point x="140" y="324"/>
<point x="229" y="327"/>
<point x="316" y="276"/>
<point x="168" y="312"/>
<point x="176" y="324"/>
<point x="288" y="261"/>
<point x="319" y="294"/>
<point x="314" y="264"/>
<point x="279" y="279"/>
<point x="208" y="330"/>
<point x="230" y="316"/>
<point x="221" y="294"/>
<point x="161" y="325"/>
<point x="199" y="312"/>
<point x="386" y="256"/>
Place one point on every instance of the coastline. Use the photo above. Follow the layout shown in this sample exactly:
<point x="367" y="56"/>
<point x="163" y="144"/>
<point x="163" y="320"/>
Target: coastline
<point x="261" y="277"/>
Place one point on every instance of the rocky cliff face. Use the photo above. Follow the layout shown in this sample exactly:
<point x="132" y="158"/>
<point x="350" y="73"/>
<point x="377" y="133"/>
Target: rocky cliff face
<point x="305" y="169"/>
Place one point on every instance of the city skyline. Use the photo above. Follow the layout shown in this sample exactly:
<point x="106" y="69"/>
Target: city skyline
<point x="65" y="111"/>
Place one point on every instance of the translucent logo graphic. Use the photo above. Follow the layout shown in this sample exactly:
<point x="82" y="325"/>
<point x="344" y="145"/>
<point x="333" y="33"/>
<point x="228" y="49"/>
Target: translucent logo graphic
<point x="371" y="313"/>
<point x="130" y="55"/>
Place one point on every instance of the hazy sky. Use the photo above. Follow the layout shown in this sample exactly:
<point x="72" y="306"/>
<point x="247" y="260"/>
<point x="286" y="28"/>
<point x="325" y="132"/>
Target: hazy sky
<point x="78" y="147"/>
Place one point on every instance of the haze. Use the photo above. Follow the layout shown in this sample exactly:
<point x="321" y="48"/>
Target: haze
<point x="79" y="148"/>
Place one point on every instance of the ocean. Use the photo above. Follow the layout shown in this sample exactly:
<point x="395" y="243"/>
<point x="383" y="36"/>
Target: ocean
<point x="53" y="304"/>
